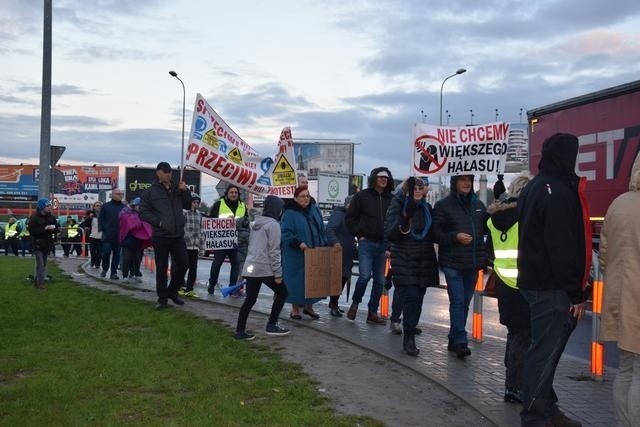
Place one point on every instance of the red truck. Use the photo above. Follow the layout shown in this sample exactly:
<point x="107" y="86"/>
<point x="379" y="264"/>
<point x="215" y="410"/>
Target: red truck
<point x="607" y="124"/>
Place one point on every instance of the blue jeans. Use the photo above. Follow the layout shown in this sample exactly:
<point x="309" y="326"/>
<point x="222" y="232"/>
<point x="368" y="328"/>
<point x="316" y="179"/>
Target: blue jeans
<point x="551" y="327"/>
<point x="107" y="248"/>
<point x="460" y="287"/>
<point x="371" y="262"/>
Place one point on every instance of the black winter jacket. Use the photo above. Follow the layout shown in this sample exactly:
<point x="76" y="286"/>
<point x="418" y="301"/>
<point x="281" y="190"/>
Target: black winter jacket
<point x="455" y="214"/>
<point x="162" y="208"/>
<point x="513" y="308"/>
<point x="413" y="262"/>
<point x="109" y="220"/>
<point x="551" y="246"/>
<point x="366" y="214"/>
<point x="337" y="232"/>
<point x="43" y="240"/>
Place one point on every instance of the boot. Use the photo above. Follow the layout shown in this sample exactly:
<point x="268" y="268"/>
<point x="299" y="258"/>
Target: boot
<point x="409" y="344"/>
<point x="353" y="310"/>
<point x="373" y="319"/>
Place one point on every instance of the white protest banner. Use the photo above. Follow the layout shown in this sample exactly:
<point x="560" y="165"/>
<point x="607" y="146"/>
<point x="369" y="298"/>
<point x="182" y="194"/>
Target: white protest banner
<point x="439" y="150"/>
<point x="215" y="149"/>
<point x="219" y="233"/>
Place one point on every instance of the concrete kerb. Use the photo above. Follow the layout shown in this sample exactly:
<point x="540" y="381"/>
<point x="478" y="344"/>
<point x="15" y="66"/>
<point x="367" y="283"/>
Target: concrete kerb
<point x="481" y="410"/>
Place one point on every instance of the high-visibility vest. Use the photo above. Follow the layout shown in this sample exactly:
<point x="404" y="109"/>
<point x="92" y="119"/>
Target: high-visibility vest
<point x="10" y="230"/>
<point x="226" y="212"/>
<point x="505" y="248"/>
<point x="72" y="231"/>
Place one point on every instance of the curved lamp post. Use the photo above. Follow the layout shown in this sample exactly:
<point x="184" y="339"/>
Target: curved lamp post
<point x="174" y="74"/>
<point x="459" y="71"/>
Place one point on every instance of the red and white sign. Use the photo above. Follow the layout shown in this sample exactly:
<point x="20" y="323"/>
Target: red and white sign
<point x="439" y="150"/>
<point x="219" y="233"/>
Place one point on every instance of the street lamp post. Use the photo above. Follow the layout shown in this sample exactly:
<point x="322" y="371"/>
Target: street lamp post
<point x="459" y="71"/>
<point x="174" y="74"/>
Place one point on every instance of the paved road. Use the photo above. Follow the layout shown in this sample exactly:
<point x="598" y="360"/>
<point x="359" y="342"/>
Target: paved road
<point x="435" y="310"/>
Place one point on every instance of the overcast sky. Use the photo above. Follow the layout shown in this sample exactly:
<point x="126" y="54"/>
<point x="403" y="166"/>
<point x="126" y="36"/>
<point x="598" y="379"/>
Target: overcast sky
<point x="362" y="70"/>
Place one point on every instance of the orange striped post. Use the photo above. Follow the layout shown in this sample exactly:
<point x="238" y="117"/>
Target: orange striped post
<point x="597" y="348"/>
<point x="476" y="334"/>
<point x="384" y="298"/>
<point x="153" y="264"/>
<point x="84" y="243"/>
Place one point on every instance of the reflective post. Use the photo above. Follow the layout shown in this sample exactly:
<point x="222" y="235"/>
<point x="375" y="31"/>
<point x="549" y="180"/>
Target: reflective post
<point x="384" y="298"/>
<point x="477" y="308"/>
<point x="597" y="347"/>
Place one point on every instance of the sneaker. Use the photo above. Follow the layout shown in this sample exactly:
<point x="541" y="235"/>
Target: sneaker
<point x="373" y="319"/>
<point x="462" y="351"/>
<point x="396" y="329"/>
<point x="561" y="420"/>
<point x="277" y="330"/>
<point x="177" y="300"/>
<point x="114" y="277"/>
<point x="161" y="305"/>
<point x="243" y="336"/>
<point x="191" y="294"/>
<point x="210" y="289"/>
<point x="353" y="310"/>
<point x="138" y="274"/>
<point x="182" y="292"/>
<point x="103" y="273"/>
<point x="418" y="331"/>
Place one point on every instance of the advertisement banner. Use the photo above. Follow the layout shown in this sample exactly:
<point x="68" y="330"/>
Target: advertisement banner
<point x="215" y="149"/>
<point x="317" y="156"/>
<point x="75" y="185"/>
<point x="83" y="184"/>
<point x="517" y="148"/>
<point x="219" y="233"/>
<point x="332" y="189"/>
<point x="137" y="180"/>
<point x="19" y="183"/>
<point x="439" y="150"/>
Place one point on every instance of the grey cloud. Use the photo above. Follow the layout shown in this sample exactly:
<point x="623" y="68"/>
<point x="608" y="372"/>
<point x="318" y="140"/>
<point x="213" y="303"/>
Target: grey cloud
<point x="99" y="53"/>
<point x="10" y="99"/>
<point x="77" y="122"/>
<point x="61" y="89"/>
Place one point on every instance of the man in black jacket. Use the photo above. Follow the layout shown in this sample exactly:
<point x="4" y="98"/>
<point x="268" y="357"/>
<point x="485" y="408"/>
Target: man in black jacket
<point x="458" y="227"/>
<point x="365" y="219"/>
<point x="109" y="225"/>
<point x="553" y="261"/>
<point x="162" y="206"/>
<point x="42" y="227"/>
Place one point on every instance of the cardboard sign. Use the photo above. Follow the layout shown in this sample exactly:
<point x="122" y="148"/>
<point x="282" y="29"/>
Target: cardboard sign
<point x="322" y="272"/>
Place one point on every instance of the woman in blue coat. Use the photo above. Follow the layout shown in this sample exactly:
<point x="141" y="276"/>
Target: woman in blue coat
<point x="302" y="228"/>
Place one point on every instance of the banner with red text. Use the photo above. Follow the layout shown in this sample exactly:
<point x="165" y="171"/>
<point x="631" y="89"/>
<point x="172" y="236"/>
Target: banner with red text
<point x="215" y="149"/>
<point x="440" y="150"/>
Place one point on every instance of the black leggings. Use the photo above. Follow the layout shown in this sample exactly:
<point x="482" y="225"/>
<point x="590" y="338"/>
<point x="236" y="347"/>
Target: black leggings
<point x="253" y="288"/>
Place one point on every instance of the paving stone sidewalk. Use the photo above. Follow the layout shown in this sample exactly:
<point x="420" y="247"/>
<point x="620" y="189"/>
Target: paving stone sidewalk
<point x="478" y="380"/>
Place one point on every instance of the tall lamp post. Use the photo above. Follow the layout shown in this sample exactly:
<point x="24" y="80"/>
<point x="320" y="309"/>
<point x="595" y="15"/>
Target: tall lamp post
<point x="459" y="71"/>
<point x="174" y="74"/>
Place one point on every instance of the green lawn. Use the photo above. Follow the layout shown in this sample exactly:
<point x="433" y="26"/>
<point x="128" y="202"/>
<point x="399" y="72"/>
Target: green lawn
<point x="73" y="356"/>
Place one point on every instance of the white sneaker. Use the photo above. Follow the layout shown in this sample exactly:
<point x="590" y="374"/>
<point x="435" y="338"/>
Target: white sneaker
<point x="395" y="327"/>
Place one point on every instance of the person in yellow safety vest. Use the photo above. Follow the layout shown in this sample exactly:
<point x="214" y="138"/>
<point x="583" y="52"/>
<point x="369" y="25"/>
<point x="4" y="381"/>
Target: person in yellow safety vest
<point x="513" y="308"/>
<point x="11" y="232"/>
<point x="73" y="234"/>
<point x="25" y="238"/>
<point x="229" y="206"/>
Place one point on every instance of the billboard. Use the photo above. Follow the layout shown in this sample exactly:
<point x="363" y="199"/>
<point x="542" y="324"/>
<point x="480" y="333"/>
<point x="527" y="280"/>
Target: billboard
<point x="316" y="156"/>
<point x="139" y="179"/>
<point x="332" y="189"/>
<point x="72" y="184"/>
<point x="517" y="148"/>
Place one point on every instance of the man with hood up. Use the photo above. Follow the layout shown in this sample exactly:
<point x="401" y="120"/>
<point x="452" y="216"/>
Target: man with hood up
<point x="365" y="218"/>
<point x="619" y="249"/>
<point x="458" y="227"/>
<point x="554" y="256"/>
<point x="263" y="265"/>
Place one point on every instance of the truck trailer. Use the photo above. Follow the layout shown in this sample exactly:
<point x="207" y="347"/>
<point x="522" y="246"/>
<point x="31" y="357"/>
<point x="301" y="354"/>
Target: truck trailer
<point x="607" y="124"/>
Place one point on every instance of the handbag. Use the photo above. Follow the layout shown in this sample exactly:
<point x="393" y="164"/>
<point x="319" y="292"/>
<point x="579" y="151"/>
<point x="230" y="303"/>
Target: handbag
<point x="491" y="286"/>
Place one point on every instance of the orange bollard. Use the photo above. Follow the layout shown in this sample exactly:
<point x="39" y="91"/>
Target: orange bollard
<point x="384" y="298"/>
<point x="476" y="333"/>
<point x="597" y="348"/>
<point x="84" y="244"/>
<point x="153" y="264"/>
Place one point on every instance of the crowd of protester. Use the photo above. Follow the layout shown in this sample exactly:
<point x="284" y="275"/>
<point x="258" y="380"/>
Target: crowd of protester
<point x="535" y="237"/>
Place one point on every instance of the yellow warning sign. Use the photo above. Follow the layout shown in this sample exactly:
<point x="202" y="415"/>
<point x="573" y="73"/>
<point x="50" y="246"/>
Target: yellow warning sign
<point x="211" y="139"/>
<point x="235" y="156"/>
<point x="283" y="173"/>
